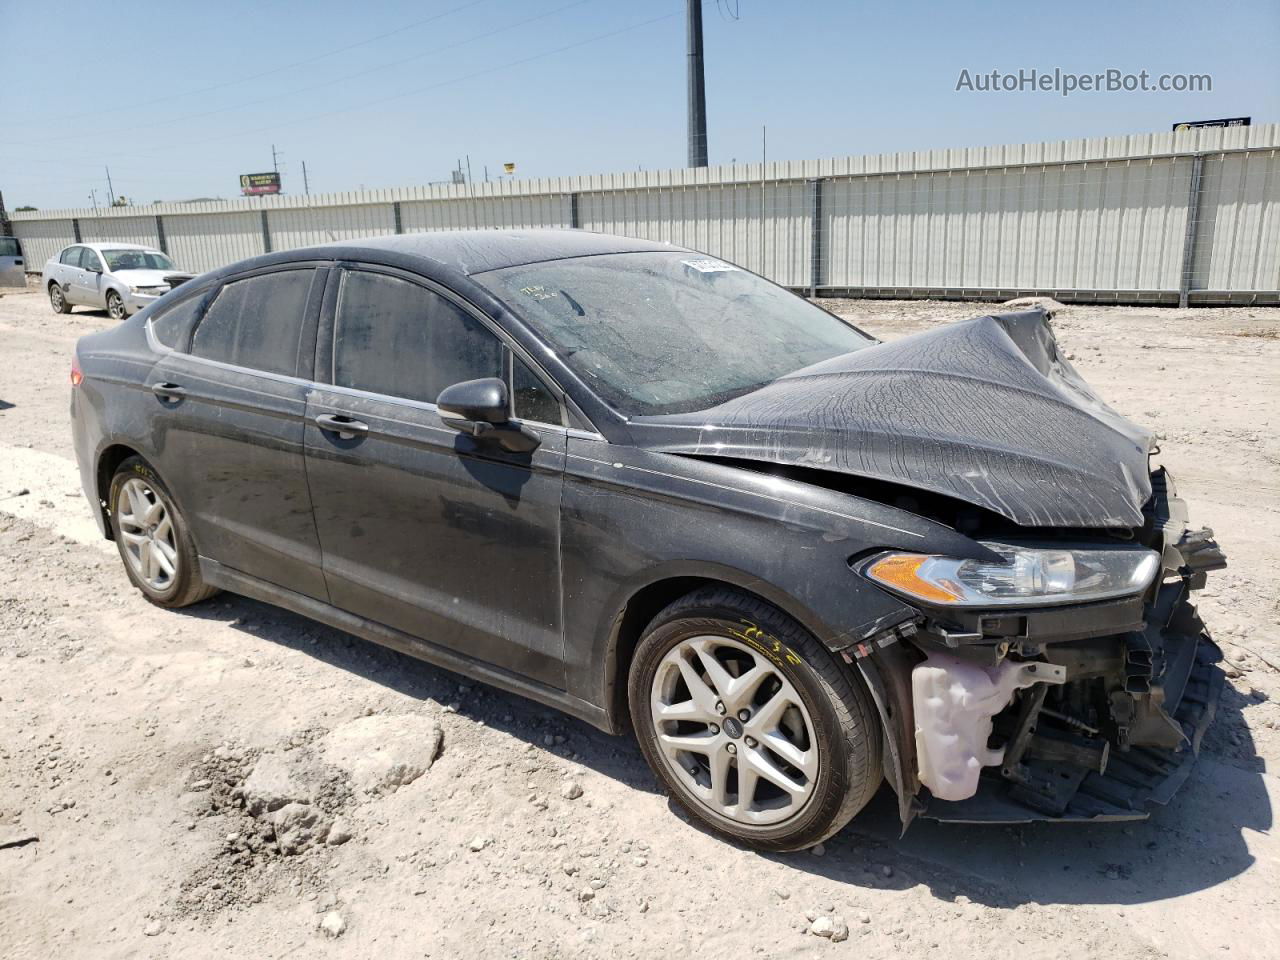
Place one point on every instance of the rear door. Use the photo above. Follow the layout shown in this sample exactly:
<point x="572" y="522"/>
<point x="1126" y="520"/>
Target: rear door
<point x="13" y="272"/>
<point x="67" y="273"/>
<point x="422" y="529"/>
<point x="228" y="421"/>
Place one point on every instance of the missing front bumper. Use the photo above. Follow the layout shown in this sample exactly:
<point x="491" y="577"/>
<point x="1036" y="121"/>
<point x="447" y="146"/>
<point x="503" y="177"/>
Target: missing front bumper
<point x="1133" y="781"/>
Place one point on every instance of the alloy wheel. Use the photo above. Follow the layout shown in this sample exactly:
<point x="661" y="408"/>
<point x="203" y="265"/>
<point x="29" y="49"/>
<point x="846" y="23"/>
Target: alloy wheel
<point x="115" y="307"/>
<point x="146" y="528"/>
<point x="55" y="298"/>
<point x="733" y="730"/>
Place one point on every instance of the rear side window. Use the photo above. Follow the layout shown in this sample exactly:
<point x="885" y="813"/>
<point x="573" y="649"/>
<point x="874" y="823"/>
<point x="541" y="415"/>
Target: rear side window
<point x="256" y="322"/>
<point x="9" y="247"/>
<point x="396" y="338"/>
<point x="172" y="326"/>
<point x="531" y="399"/>
<point x="71" y="256"/>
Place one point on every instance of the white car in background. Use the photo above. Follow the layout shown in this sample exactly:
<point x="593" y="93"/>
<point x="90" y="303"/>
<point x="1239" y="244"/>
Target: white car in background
<point x="122" y="277"/>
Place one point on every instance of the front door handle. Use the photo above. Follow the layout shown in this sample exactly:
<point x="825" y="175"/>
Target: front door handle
<point x="168" y="392"/>
<point x="345" y="427"/>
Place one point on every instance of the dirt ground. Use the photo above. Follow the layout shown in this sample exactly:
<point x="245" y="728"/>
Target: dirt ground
<point x="150" y="753"/>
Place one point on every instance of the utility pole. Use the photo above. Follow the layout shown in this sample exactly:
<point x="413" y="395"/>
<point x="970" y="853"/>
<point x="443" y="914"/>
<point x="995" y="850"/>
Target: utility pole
<point x="697" y="88"/>
<point x="306" y="185"/>
<point x="93" y="195"/>
<point x="111" y="191"/>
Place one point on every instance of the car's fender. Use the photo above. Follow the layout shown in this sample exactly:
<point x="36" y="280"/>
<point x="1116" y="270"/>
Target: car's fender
<point x="638" y="527"/>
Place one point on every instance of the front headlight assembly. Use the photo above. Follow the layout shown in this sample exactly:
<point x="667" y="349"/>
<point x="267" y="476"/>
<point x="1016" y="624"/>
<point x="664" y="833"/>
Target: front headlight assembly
<point x="1023" y="577"/>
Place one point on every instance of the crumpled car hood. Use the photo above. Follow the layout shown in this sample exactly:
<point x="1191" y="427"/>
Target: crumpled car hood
<point x="985" y="410"/>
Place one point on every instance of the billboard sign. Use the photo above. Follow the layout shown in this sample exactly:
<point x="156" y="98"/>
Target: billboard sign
<point x="1225" y="122"/>
<point x="254" y="184"/>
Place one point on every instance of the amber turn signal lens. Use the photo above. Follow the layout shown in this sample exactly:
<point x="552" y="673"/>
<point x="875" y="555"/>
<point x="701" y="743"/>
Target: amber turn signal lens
<point x="900" y="571"/>
<point x="77" y="377"/>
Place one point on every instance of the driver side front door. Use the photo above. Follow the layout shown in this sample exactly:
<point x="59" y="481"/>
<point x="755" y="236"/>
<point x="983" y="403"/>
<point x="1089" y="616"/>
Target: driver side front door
<point x="451" y="540"/>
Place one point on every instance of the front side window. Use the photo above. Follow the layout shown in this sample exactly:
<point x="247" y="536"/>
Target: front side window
<point x="9" y="247"/>
<point x="396" y="338"/>
<point x="256" y="322"/>
<point x="71" y="256"/>
<point x="531" y="400"/>
<point x="89" y="259"/>
<point x="136" y="260"/>
<point x="657" y="333"/>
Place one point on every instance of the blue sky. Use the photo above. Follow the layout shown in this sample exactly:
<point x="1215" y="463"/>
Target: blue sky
<point x="173" y="96"/>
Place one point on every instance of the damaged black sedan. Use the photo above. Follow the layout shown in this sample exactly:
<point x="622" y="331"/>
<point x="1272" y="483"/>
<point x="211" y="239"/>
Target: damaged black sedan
<point x="649" y="488"/>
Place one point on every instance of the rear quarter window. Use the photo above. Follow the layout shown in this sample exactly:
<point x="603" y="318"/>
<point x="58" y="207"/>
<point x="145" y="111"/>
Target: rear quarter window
<point x="256" y="322"/>
<point x="172" y="325"/>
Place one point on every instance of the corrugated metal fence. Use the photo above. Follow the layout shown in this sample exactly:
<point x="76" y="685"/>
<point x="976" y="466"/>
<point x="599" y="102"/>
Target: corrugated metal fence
<point x="1192" y="216"/>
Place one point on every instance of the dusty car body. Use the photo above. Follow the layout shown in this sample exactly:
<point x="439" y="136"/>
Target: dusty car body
<point x="121" y="278"/>
<point x="951" y="529"/>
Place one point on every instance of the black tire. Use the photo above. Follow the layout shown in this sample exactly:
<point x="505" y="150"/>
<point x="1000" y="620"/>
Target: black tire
<point x="115" y="306"/>
<point x="846" y="726"/>
<point x="185" y="587"/>
<point x="58" y="300"/>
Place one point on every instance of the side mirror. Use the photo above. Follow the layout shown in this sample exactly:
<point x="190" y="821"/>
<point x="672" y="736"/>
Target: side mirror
<point x="478" y="408"/>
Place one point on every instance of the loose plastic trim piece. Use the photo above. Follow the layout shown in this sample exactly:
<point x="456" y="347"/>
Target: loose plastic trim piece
<point x="954" y="702"/>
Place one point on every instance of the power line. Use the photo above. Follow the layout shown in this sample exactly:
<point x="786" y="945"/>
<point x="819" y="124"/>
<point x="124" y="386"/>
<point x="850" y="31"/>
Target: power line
<point x="169" y="121"/>
<point x="290" y="66"/>
<point x="431" y="86"/>
<point x="510" y="64"/>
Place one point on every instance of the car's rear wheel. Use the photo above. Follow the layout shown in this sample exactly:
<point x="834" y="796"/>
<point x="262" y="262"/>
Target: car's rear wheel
<point x="152" y="536"/>
<point x="58" y="300"/>
<point x="115" y="306"/>
<point x="755" y="728"/>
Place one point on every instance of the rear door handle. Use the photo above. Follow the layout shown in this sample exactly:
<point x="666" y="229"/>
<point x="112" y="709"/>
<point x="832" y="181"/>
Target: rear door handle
<point x="168" y="392"/>
<point x="345" y="427"/>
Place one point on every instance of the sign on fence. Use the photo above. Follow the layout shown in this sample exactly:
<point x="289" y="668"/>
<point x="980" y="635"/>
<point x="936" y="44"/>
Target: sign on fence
<point x="253" y="184"/>
<point x="1224" y="122"/>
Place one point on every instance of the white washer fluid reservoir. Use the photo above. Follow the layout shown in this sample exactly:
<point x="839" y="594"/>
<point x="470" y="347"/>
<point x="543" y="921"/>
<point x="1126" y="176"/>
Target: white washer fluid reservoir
<point x="954" y="702"/>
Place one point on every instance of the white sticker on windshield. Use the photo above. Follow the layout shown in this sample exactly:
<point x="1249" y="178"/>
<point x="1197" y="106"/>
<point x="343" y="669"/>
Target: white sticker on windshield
<point x="709" y="266"/>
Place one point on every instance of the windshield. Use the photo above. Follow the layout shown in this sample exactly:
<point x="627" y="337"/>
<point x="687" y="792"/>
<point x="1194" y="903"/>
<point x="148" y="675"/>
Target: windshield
<point x="658" y="333"/>
<point x="136" y="260"/>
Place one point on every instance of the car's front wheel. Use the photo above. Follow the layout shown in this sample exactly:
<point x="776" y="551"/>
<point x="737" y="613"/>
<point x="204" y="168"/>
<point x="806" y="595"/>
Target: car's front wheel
<point x="151" y="534"/>
<point x="115" y="305"/>
<point x="754" y="727"/>
<point x="58" y="300"/>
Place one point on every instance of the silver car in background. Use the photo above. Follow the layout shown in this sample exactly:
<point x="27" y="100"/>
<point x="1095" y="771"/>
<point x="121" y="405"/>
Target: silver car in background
<point x="120" y="277"/>
<point x="12" y="271"/>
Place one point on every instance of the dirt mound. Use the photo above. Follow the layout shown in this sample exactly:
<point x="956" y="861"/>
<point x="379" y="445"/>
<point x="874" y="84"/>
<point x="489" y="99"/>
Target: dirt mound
<point x="276" y="812"/>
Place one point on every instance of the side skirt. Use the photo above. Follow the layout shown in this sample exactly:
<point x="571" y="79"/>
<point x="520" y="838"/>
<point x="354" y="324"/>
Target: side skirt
<point x="225" y="578"/>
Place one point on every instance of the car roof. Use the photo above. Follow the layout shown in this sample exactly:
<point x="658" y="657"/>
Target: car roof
<point x="101" y="245"/>
<point x="477" y="251"/>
